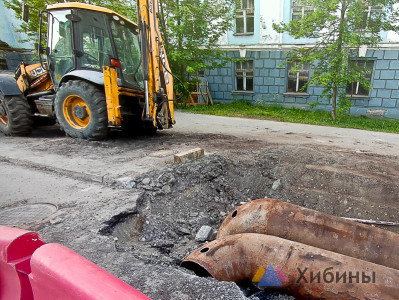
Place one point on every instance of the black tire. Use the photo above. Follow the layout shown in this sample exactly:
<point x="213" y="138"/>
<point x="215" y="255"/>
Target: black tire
<point x="16" y="117"/>
<point x="81" y="110"/>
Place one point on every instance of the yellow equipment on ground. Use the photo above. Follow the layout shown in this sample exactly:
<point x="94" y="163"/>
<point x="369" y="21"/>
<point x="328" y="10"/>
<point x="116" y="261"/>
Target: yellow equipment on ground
<point x="102" y="71"/>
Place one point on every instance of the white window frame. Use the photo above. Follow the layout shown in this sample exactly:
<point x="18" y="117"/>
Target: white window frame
<point x="246" y="74"/>
<point x="368" y="76"/>
<point x="304" y="9"/>
<point x="305" y="68"/>
<point x="246" y="11"/>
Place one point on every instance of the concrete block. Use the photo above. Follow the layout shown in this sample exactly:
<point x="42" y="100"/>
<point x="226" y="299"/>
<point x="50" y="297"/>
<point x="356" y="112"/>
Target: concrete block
<point x="258" y="81"/>
<point x="273" y="89"/>
<point x="189" y="155"/>
<point x="392" y="84"/>
<point x="377" y="74"/>
<point x="382" y="65"/>
<point x="223" y="71"/>
<point x="394" y="65"/>
<point x="396" y="74"/>
<point x="281" y="89"/>
<point x="389" y="103"/>
<point x="391" y="54"/>
<point x="274" y="73"/>
<point x="213" y="87"/>
<point x="379" y="84"/>
<point x="377" y="102"/>
<point x="395" y="94"/>
<point x="375" y="113"/>
<point x="275" y="54"/>
<point x="268" y="81"/>
<point x="223" y="87"/>
<point x="279" y="81"/>
<point x="205" y="233"/>
<point x="213" y="72"/>
<point x="264" y="72"/>
<point x="264" y="89"/>
<point x="387" y="74"/>
<point x="227" y="80"/>
<point x="209" y="79"/>
<point x="227" y="96"/>
<point x="269" y="63"/>
<point x="358" y="111"/>
<point x="289" y="99"/>
<point x="259" y="63"/>
<point x="384" y="93"/>
<point x="392" y="114"/>
<point x="218" y="79"/>
<point x="219" y="95"/>
<point x="264" y="54"/>
<point x="301" y="100"/>
<point x="318" y="90"/>
<point x="360" y="102"/>
<point x="378" y="54"/>
<point x="373" y="93"/>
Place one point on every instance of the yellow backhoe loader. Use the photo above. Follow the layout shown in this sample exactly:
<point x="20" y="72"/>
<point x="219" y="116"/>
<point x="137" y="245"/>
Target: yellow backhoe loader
<point x="102" y="71"/>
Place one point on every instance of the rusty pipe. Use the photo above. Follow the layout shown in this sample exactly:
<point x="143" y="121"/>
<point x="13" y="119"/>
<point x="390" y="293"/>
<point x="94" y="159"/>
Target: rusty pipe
<point x="310" y="227"/>
<point x="238" y="257"/>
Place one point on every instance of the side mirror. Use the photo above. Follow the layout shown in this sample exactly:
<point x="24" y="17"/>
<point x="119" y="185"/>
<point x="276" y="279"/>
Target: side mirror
<point x="25" y="12"/>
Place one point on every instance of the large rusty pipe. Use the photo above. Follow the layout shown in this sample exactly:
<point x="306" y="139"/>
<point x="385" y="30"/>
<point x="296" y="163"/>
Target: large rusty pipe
<point x="310" y="227"/>
<point x="309" y="271"/>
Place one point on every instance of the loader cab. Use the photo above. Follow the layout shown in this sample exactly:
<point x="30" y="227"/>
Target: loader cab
<point x="82" y="39"/>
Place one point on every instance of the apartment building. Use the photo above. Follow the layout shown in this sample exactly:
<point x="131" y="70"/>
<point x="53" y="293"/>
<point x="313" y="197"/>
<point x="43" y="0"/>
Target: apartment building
<point x="262" y="78"/>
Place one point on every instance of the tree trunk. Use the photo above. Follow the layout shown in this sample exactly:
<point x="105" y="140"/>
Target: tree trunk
<point x="334" y="104"/>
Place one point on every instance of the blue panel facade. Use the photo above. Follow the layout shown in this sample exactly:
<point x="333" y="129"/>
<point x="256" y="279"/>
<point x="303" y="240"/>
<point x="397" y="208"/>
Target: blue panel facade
<point x="270" y="84"/>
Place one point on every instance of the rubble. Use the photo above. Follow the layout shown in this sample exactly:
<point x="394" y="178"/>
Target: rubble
<point x="204" y="234"/>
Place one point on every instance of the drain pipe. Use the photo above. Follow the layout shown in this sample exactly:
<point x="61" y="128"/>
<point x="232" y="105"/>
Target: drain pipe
<point x="303" y="271"/>
<point x="310" y="227"/>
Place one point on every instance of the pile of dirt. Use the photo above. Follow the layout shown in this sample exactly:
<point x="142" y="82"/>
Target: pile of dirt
<point x="178" y="200"/>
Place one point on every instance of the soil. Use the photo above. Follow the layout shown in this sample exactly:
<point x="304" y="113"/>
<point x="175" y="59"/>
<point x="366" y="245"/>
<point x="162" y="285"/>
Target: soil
<point x="136" y="213"/>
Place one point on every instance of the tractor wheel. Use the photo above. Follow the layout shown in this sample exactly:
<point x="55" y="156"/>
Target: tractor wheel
<point x="81" y="110"/>
<point x="16" y="117"/>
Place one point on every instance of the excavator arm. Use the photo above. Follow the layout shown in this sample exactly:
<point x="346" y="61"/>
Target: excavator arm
<point x="158" y="80"/>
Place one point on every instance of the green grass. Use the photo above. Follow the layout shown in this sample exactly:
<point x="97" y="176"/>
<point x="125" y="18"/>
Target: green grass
<point x="245" y="109"/>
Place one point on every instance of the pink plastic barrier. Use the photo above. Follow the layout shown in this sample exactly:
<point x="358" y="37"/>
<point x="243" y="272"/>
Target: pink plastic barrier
<point x="16" y="248"/>
<point x="59" y="273"/>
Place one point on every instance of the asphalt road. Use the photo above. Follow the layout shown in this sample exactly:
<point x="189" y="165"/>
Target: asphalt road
<point x="291" y="133"/>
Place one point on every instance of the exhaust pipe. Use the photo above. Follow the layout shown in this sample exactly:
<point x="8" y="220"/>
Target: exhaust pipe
<point x="301" y="270"/>
<point x="310" y="227"/>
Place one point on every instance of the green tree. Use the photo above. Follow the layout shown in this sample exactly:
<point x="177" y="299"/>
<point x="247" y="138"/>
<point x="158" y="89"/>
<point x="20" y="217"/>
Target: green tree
<point x="191" y="30"/>
<point x="339" y="29"/>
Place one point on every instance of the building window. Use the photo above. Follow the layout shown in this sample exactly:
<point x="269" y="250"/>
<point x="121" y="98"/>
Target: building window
<point x="298" y="77"/>
<point x="355" y="88"/>
<point x="245" y="76"/>
<point x="245" y="17"/>
<point x="300" y="8"/>
<point x="370" y="15"/>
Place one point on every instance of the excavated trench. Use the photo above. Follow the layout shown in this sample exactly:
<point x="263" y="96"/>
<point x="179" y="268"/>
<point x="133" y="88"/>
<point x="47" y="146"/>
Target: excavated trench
<point x="178" y="200"/>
